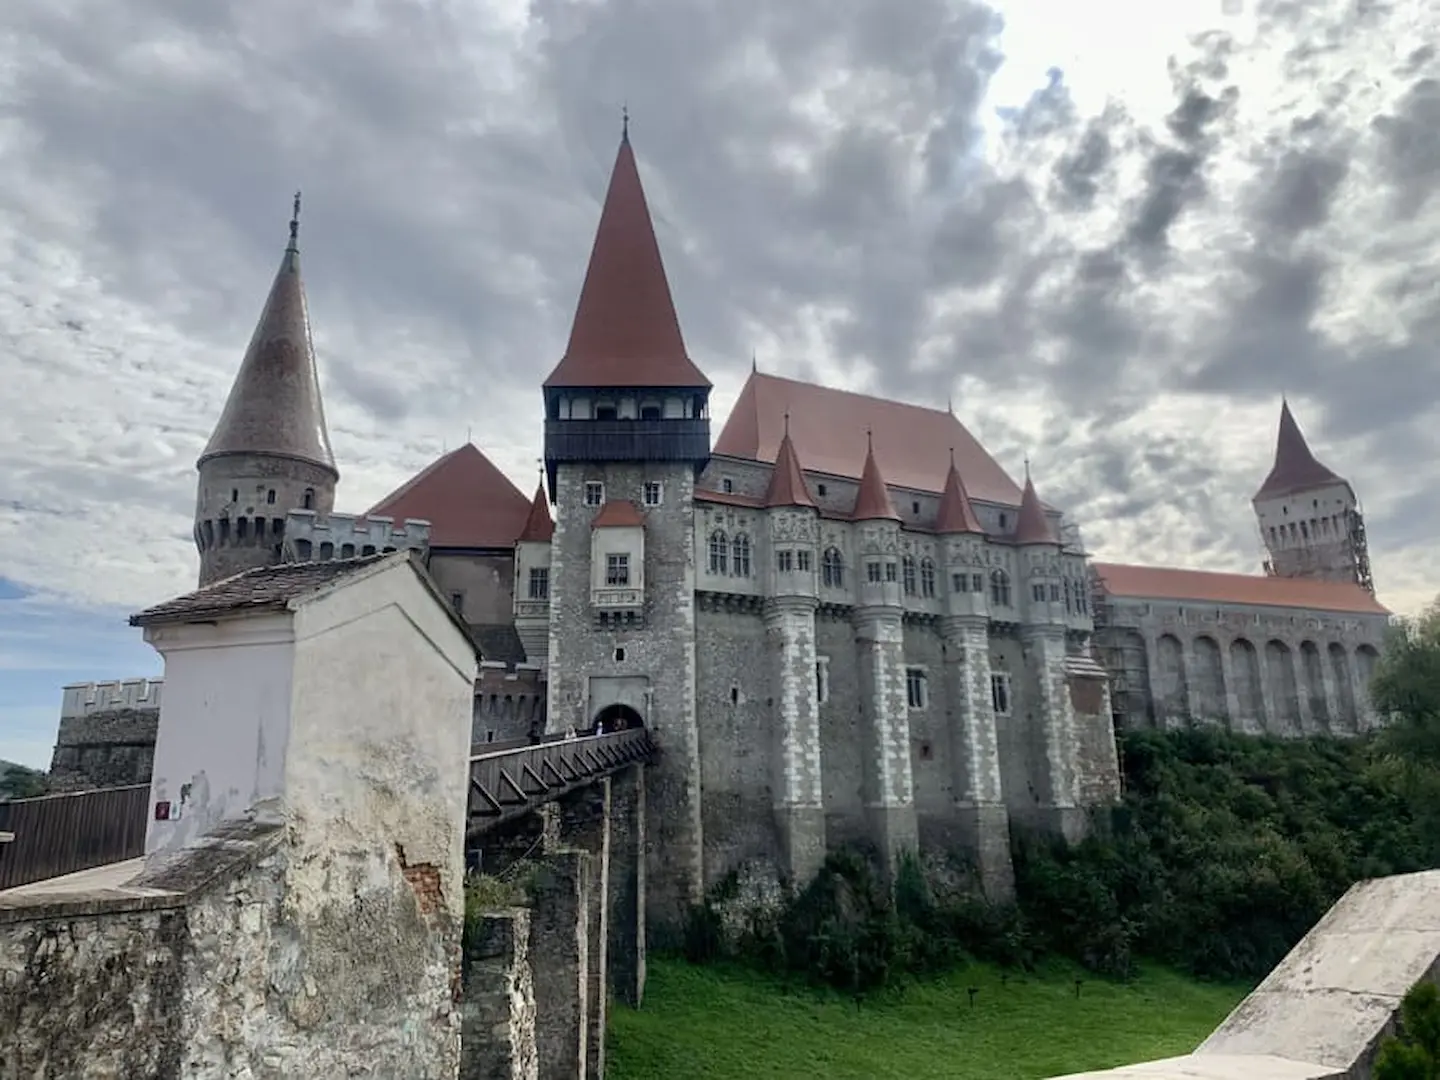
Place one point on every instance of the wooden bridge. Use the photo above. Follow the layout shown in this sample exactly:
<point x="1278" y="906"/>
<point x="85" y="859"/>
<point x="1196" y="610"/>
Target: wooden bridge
<point x="509" y="780"/>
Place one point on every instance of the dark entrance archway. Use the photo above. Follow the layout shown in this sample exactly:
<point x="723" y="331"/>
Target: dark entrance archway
<point x="617" y="717"/>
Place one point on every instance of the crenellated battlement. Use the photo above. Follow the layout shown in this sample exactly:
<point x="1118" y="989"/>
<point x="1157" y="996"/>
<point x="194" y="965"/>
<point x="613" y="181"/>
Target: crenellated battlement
<point x="314" y="537"/>
<point x="86" y="699"/>
<point x="508" y="702"/>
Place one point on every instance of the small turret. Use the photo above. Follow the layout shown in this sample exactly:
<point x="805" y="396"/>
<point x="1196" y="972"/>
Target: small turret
<point x="792" y="516"/>
<point x="878" y="583"/>
<point x="532" y="579"/>
<point x="270" y="452"/>
<point x="1039" y="560"/>
<point x="958" y="523"/>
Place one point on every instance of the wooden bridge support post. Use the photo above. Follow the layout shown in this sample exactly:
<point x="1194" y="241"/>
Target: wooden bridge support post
<point x="626" y="950"/>
<point x="560" y="962"/>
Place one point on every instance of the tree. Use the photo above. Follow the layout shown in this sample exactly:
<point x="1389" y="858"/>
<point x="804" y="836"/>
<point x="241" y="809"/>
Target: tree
<point x="18" y="782"/>
<point x="1415" y="1053"/>
<point x="1406" y="690"/>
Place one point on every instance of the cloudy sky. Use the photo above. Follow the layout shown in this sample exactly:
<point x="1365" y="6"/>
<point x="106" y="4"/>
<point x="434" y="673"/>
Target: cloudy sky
<point x="1113" y="232"/>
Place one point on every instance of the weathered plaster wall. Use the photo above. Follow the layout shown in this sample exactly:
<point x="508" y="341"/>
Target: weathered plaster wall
<point x="484" y="583"/>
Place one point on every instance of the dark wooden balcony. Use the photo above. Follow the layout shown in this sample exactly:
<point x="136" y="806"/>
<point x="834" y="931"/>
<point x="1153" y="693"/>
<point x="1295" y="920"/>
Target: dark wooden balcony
<point x="627" y="440"/>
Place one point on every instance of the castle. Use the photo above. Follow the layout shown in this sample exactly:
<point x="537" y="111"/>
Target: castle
<point x="844" y="620"/>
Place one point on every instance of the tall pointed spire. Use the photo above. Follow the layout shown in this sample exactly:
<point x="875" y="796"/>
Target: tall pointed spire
<point x="956" y="514"/>
<point x="1296" y="467"/>
<point x="626" y="332"/>
<point x="872" y="501"/>
<point x="539" y="528"/>
<point x="274" y="407"/>
<point x="1031" y="524"/>
<point x="787" y="481"/>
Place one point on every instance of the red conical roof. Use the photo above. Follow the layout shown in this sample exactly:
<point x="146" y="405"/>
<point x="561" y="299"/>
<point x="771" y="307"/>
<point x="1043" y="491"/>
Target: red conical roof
<point x="274" y="405"/>
<point x="626" y="332"/>
<point x="1295" y="468"/>
<point x="872" y="501"/>
<point x="956" y="514"/>
<point x="787" y="481"/>
<point x="538" y="526"/>
<point x="1031" y="524"/>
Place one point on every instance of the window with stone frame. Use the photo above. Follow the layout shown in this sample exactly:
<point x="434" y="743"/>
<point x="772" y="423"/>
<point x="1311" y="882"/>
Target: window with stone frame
<point x="1069" y="597"/>
<point x="1037" y="591"/>
<point x="803" y="560"/>
<point x="907" y="574"/>
<point x="959" y="582"/>
<point x="617" y="571"/>
<point x="917" y="694"/>
<point x="977" y="583"/>
<point x="1000" y="692"/>
<point x="1054" y="592"/>
<point x="822" y="679"/>
<point x="719" y="552"/>
<point x="927" y="578"/>
<point x="832" y="569"/>
<point x="873" y="573"/>
<point x="890" y="572"/>
<point x="1000" y="588"/>
<point x="785" y="561"/>
<point x="539" y="583"/>
<point x="740" y="555"/>
<point x="654" y="493"/>
<point x="594" y="492"/>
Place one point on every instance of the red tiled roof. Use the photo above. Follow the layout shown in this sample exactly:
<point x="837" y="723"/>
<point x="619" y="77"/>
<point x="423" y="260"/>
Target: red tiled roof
<point x="618" y="512"/>
<point x="826" y="425"/>
<point x="1206" y="586"/>
<point x="1295" y="468"/>
<point x="1031" y="524"/>
<point x="466" y="499"/>
<point x="539" y="528"/>
<point x="872" y="501"/>
<point x="787" y="481"/>
<point x="626" y="332"/>
<point x="956" y="515"/>
<point x="729" y="498"/>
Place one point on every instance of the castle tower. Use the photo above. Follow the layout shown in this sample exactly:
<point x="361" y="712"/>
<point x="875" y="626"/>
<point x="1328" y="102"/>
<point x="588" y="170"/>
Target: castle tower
<point x="791" y="601"/>
<point x="878" y="617"/>
<point x="270" y="452"/>
<point x="965" y="633"/>
<point x="627" y="431"/>
<point x="1309" y="517"/>
<point x="1042" y="636"/>
<point x="532" y="579"/>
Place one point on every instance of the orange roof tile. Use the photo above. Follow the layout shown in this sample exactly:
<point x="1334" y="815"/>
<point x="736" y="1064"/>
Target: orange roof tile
<point x="729" y="498"/>
<point x="1295" y="468"/>
<point x="1207" y="586"/>
<point x="625" y="332"/>
<point x="872" y="501"/>
<point x="467" y="500"/>
<point x="825" y="424"/>
<point x="617" y="513"/>
<point x="787" y="481"/>
<point x="956" y="515"/>
<point x="1031" y="524"/>
<point x="539" y="528"/>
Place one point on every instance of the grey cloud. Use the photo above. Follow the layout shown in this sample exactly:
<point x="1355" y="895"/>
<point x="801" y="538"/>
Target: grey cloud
<point x="1410" y="145"/>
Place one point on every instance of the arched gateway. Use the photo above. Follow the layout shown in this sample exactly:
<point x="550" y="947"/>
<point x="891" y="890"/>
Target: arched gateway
<point x="617" y="717"/>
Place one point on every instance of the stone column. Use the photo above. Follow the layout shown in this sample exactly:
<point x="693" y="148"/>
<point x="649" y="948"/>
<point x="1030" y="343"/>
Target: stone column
<point x="980" y="803"/>
<point x="625" y="953"/>
<point x="799" y="803"/>
<point x="560" y="962"/>
<point x="889" y="785"/>
<point x="583" y="824"/>
<point x="497" y="1034"/>
<point x="1055" y="724"/>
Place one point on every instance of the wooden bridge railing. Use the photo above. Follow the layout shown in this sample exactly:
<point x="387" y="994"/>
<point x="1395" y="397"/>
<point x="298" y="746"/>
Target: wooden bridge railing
<point x="60" y="834"/>
<point x="511" y="781"/>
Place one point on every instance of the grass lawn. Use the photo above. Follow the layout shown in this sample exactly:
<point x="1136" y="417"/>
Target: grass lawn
<point x="723" y="1024"/>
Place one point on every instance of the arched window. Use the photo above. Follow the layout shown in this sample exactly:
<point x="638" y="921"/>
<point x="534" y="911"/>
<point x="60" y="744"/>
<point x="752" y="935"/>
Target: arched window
<point x="1000" y="588"/>
<point x="740" y="555"/>
<point x="719" y="552"/>
<point x="309" y="501"/>
<point x="907" y="572"/>
<point x="927" y="578"/>
<point x="832" y="569"/>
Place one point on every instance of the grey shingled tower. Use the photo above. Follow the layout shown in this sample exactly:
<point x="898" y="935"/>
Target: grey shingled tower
<point x="270" y="452"/>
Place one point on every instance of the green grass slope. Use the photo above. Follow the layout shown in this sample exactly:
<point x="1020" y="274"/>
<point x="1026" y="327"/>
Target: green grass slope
<point x="707" y="1023"/>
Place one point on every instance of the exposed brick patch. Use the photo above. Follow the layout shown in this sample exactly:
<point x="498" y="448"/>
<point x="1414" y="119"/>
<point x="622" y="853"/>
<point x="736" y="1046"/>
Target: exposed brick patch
<point x="424" y="880"/>
<point x="1087" y="695"/>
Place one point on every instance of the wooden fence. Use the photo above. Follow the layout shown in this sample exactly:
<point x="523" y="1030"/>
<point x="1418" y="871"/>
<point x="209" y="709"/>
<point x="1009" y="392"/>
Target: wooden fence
<point x="60" y="834"/>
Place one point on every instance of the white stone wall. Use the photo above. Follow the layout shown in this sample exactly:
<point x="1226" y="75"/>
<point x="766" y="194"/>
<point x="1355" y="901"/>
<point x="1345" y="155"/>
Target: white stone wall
<point x="977" y="757"/>
<point x="84" y="699"/>
<point x="790" y="628"/>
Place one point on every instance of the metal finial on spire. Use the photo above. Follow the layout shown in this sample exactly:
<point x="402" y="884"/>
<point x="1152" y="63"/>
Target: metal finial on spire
<point x="952" y="457"/>
<point x="869" y="438"/>
<point x="1027" y="466"/>
<point x="754" y="361"/>
<point x="469" y="434"/>
<point x="624" y="121"/>
<point x="295" y="222"/>
<point x="787" y="423"/>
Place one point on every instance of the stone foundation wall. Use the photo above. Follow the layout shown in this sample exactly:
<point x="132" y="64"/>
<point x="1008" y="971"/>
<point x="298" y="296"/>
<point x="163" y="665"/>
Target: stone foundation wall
<point x="106" y="748"/>
<point x="498" y="1012"/>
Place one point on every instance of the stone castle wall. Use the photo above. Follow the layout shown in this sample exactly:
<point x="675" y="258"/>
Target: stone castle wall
<point x="107" y="734"/>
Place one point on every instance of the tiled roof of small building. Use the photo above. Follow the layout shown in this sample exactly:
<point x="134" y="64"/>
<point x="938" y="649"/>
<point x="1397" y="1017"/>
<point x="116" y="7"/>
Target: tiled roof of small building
<point x="266" y="588"/>
<point x="1210" y="587"/>
<point x="617" y="512"/>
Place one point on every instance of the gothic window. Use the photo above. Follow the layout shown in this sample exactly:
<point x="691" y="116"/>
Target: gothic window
<point x="727" y="485"/>
<point x="242" y="528"/>
<point x="1054" y="592"/>
<point x="1037" y="590"/>
<point x="1000" y="697"/>
<point x="327" y="551"/>
<point x="270" y="497"/>
<point x="890" y="572"/>
<point x="959" y="582"/>
<point x="784" y="561"/>
<point x="802" y="560"/>
<point x="916" y="694"/>
<point x="347" y="551"/>
<point x="873" y="573"/>
<point x="1000" y="588"/>
<point x="741" y="553"/>
<point x="308" y="500"/>
<point x="977" y="583"/>
<point x="594" y="493"/>
<point x="719" y="552"/>
<point x="832" y="568"/>
<point x="617" y="571"/>
<point x="654" y="493"/>
<point x="539" y="583"/>
<point x="908" y="563"/>
<point x="927" y="578"/>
